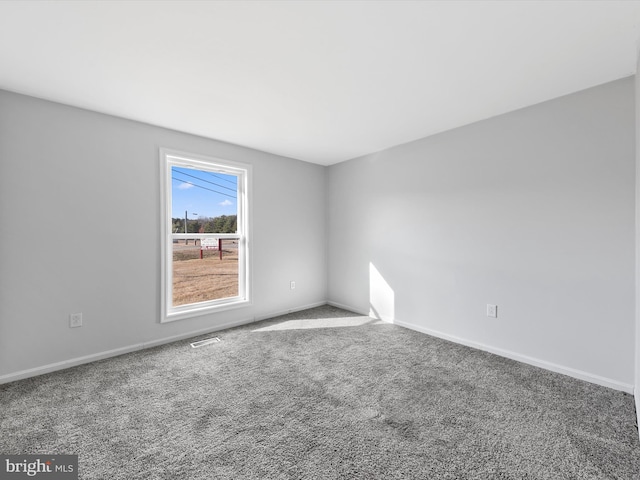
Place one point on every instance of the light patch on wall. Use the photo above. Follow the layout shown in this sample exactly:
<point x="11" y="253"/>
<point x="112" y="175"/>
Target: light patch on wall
<point x="381" y="296"/>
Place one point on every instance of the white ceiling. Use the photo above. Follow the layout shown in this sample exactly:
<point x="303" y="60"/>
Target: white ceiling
<point x="320" y="81"/>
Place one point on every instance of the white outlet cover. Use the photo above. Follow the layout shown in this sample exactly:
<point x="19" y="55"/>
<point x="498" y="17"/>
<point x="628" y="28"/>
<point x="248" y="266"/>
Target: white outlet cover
<point x="75" y="320"/>
<point x="492" y="311"/>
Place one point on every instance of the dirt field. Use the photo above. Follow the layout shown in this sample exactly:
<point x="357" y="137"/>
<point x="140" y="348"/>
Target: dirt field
<point x="196" y="280"/>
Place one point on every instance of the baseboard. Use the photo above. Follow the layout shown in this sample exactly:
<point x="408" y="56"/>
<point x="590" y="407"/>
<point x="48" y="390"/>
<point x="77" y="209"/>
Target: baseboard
<point x="73" y="362"/>
<point x="291" y="310"/>
<point x="571" y="372"/>
<point x="348" y="307"/>
<point x="52" y="367"/>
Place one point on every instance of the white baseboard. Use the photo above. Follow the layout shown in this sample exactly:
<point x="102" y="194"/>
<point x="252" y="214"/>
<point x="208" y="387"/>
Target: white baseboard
<point x="292" y="310"/>
<point x="52" y="367"/>
<point x="571" y="372"/>
<point x="73" y="362"/>
<point x="348" y="307"/>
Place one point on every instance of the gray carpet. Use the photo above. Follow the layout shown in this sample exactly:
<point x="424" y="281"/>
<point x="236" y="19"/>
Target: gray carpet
<point x="322" y="394"/>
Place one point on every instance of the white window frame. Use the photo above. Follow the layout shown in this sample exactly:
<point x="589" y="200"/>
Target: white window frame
<point x="168" y="159"/>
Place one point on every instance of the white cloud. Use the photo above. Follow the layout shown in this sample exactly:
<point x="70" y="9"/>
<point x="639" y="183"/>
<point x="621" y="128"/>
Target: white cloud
<point x="185" y="186"/>
<point x="226" y="203"/>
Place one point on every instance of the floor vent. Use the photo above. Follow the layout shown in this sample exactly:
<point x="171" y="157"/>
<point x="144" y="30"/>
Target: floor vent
<point x="202" y="343"/>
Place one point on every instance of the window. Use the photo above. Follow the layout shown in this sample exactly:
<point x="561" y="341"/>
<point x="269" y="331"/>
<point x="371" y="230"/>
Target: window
<point x="205" y="241"/>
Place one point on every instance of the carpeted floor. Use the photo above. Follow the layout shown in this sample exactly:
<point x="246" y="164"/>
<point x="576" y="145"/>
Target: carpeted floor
<point x="322" y="394"/>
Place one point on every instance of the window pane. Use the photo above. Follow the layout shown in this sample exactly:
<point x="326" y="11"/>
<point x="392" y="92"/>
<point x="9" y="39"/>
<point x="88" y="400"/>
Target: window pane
<point x="198" y="279"/>
<point x="214" y="194"/>
<point x="203" y="202"/>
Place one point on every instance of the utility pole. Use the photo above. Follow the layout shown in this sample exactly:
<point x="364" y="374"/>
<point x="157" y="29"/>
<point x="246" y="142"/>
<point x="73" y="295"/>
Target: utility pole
<point x="186" y="240"/>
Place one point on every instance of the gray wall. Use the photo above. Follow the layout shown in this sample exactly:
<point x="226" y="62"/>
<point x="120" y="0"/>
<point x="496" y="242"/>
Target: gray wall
<point x="79" y="232"/>
<point x="532" y="211"/>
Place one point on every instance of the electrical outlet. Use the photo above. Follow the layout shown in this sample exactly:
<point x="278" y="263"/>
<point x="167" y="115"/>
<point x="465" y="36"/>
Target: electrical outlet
<point x="292" y="285"/>
<point x="75" y="320"/>
<point x="492" y="311"/>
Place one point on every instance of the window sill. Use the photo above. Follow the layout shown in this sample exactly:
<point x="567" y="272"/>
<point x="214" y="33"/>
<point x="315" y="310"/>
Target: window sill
<point x="196" y="310"/>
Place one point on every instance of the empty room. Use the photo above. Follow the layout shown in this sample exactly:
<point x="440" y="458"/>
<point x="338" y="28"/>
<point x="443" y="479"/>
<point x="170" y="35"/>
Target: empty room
<point x="319" y="239"/>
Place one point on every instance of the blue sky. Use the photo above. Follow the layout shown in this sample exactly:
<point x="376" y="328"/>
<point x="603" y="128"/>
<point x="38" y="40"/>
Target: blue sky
<point x="202" y="193"/>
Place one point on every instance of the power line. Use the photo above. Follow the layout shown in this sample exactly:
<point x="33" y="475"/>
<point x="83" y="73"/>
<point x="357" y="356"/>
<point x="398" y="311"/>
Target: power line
<point x="222" y="178"/>
<point x="203" y="180"/>
<point x="204" y="188"/>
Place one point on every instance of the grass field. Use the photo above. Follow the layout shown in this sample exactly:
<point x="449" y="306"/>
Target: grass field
<point x="199" y="280"/>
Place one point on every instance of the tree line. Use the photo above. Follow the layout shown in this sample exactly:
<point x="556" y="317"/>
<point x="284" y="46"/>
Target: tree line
<point x="221" y="224"/>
